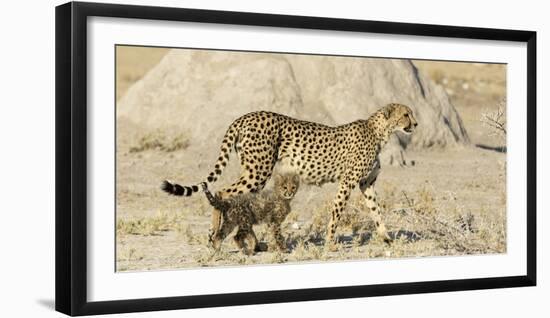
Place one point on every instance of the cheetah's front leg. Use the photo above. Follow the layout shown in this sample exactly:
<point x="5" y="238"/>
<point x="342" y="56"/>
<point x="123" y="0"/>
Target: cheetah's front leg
<point x="367" y="188"/>
<point x="339" y="204"/>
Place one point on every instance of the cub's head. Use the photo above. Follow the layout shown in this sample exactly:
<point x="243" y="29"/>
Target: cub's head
<point x="286" y="185"/>
<point x="401" y="117"/>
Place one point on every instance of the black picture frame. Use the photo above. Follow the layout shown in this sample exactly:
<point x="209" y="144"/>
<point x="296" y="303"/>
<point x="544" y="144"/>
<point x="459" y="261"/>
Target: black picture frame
<point x="71" y="157"/>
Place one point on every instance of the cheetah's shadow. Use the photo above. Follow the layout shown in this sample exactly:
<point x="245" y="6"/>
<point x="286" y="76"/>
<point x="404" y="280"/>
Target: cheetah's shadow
<point x="357" y="238"/>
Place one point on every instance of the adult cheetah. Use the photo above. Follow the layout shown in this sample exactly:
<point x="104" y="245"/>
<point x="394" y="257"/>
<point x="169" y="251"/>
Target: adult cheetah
<point x="347" y="154"/>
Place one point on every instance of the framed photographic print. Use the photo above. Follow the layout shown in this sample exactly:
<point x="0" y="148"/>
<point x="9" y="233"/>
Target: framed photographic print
<point x="226" y="158"/>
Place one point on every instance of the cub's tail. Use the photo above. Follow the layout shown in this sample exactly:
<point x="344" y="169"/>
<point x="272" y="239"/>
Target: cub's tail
<point x="215" y="200"/>
<point x="229" y="142"/>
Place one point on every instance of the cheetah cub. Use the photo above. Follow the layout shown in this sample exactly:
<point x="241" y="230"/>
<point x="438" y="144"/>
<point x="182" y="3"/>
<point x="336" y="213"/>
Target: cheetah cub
<point x="245" y="210"/>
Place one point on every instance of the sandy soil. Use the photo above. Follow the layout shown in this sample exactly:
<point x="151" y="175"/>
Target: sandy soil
<point x="155" y="231"/>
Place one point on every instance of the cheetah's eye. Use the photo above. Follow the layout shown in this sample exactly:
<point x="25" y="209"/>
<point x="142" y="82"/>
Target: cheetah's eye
<point x="406" y="115"/>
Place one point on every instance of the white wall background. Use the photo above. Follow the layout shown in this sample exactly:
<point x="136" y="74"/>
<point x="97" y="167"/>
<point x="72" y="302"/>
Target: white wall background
<point x="27" y="161"/>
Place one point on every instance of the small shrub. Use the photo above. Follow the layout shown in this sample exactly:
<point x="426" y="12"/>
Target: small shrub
<point x="319" y="222"/>
<point x="496" y="120"/>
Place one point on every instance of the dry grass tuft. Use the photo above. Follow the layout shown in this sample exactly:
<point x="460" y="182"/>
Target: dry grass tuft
<point x="150" y="226"/>
<point x="130" y="255"/>
<point x="159" y="141"/>
<point x="316" y="230"/>
<point x="455" y="231"/>
<point x="307" y="251"/>
<point x="145" y="226"/>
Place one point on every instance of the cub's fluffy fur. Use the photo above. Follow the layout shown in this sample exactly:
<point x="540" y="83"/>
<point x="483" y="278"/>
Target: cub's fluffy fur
<point x="245" y="210"/>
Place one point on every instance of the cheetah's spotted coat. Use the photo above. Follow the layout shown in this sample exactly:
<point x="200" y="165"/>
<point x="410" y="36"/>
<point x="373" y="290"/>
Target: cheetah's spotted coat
<point x="347" y="154"/>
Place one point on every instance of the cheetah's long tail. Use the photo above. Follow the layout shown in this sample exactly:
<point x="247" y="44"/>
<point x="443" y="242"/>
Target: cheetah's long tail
<point x="229" y="143"/>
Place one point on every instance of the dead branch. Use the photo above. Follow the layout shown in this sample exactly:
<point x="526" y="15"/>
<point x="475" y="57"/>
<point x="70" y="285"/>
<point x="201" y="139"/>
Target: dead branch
<point x="496" y="120"/>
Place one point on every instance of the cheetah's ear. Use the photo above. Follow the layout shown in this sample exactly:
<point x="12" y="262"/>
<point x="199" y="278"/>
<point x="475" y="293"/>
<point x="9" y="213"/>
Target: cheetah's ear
<point x="296" y="178"/>
<point x="387" y="110"/>
<point x="278" y="179"/>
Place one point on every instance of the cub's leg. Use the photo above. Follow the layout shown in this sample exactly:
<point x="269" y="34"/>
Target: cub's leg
<point x="239" y="239"/>
<point x="338" y="206"/>
<point x="215" y="226"/>
<point x="225" y="229"/>
<point x="275" y="229"/>
<point x="367" y="188"/>
<point x="246" y="240"/>
<point x="251" y="241"/>
<point x="245" y="237"/>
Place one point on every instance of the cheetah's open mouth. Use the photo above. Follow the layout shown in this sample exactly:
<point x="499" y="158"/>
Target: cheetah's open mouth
<point x="408" y="130"/>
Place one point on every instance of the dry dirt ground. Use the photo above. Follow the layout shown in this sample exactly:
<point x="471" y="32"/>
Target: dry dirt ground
<point x="449" y="202"/>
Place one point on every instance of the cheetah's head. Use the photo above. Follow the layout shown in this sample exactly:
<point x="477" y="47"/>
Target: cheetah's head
<point x="400" y="117"/>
